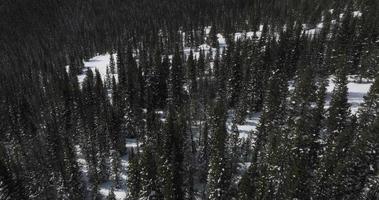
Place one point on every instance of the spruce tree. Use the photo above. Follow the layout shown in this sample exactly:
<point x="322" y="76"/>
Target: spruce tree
<point x="173" y="156"/>
<point x="364" y="158"/>
<point x="163" y="76"/>
<point x="112" y="64"/>
<point x="266" y="174"/>
<point x="192" y="74"/>
<point x="177" y="80"/>
<point x="111" y="195"/>
<point x="134" y="176"/>
<point x="219" y="174"/>
<point x="235" y="81"/>
<point x="116" y="168"/>
<point x="340" y="128"/>
<point x="303" y="135"/>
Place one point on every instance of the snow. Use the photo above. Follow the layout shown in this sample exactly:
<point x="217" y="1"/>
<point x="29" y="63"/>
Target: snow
<point x="247" y="35"/>
<point x="204" y="47"/>
<point x="356" y="93"/>
<point x="314" y="31"/>
<point x="247" y="127"/>
<point x="221" y="40"/>
<point x="120" y="194"/>
<point x="208" y="30"/>
<point x="105" y="187"/>
<point x="83" y="165"/>
<point x="99" y="62"/>
<point x="131" y="143"/>
<point x="357" y="14"/>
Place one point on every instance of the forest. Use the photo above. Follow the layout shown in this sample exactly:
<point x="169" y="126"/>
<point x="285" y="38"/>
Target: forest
<point x="189" y="100"/>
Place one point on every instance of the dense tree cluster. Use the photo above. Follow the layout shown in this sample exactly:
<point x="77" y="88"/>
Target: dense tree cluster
<point x="173" y="86"/>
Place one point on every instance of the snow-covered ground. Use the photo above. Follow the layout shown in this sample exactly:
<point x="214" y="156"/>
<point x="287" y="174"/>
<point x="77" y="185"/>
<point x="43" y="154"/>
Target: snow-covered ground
<point x="244" y="129"/>
<point x="120" y="194"/>
<point x="356" y="92"/>
<point x="99" y="62"/>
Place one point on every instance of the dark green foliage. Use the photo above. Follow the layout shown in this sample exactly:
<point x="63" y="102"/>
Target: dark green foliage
<point x="176" y="99"/>
<point x="134" y="176"/>
<point x="219" y="175"/>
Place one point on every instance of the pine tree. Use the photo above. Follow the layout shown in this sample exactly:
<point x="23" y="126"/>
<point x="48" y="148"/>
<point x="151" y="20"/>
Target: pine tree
<point x="204" y="153"/>
<point x="235" y="81"/>
<point x="90" y="146"/>
<point x="177" y="80"/>
<point x="340" y="128"/>
<point x="112" y="64"/>
<point x="219" y="174"/>
<point x="192" y="74"/>
<point x="339" y="110"/>
<point x="116" y="168"/>
<point x="234" y="144"/>
<point x="111" y="195"/>
<point x="163" y="76"/>
<point x="189" y="164"/>
<point x="266" y="174"/>
<point x="121" y="66"/>
<point x="212" y="38"/>
<point x="150" y="181"/>
<point x="234" y="156"/>
<point x="134" y="176"/>
<point x="173" y="156"/>
<point x="133" y="87"/>
<point x="9" y="187"/>
<point x="255" y="76"/>
<point x="303" y="135"/>
<point x="108" y="79"/>
<point x="102" y="130"/>
<point x="363" y="163"/>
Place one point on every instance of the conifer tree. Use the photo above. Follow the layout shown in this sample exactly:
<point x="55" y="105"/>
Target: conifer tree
<point x="111" y="195"/>
<point x="234" y="144"/>
<point x="10" y="188"/>
<point x="112" y="64"/>
<point x="339" y="110"/>
<point x="121" y="66"/>
<point x="116" y="168"/>
<point x="212" y="38"/>
<point x="192" y="74"/>
<point x="219" y="174"/>
<point x="363" y="159"/>
<point x="303" y="135"/>
<point x="108" y="79"/>
<point x="90" y="146"/>
<point x="340" y="128"/>
<point x="163" y="76"/>
<point x="102" y="130"/>
<point x="134" y="176"/>
<point x="235" y="81"/>
<point x="150" y="180"/>
<point x="173" y="156"/>
<point x="266" y="174"/>
<point x="133" y="87"/>
<point x="177" y="80"/>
